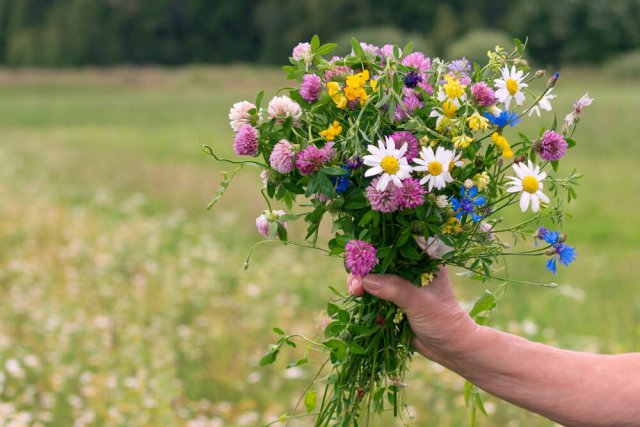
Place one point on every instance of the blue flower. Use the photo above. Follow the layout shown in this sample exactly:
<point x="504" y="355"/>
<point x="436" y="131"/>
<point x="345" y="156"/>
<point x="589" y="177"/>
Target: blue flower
<point x="560" y="251"/>
<point x="412" y="79"/>
<point x="564" y="254"/>
<point x="469" y="201"/>
<point x="342" y="182"/>
<point x="510" y="118"/>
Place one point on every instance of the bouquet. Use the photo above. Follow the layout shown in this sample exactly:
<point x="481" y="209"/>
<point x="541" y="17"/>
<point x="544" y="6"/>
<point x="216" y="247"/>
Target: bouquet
<point x="414" y="160"/>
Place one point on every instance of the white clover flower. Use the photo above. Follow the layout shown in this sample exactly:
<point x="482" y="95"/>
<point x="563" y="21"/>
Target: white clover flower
<point x="528" y="182"/>
<point x="442" y="201"/>
<point x="239" y="114"/>
<point x="283" y="107"/>
<point x="436" y="165"/>
<point x="510" y="86"/>
<point x="389" y="162"/>
<point x="302" y="52"/>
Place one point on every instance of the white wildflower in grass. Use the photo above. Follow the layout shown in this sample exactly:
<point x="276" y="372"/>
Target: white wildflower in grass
<point x="389" y="162"/>
<point x="510" y="86"/>
<point x="528" y="182"/>
<point x="543" y="104"/>
<point x="436" y="166"/>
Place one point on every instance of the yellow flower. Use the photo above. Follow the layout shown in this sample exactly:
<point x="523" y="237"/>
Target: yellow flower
<point x="449" y="109"/>
<point x="477" y="122"/>
<point x="332" y="131"/>
<point x="426" y="279"/>
<point x="424" y="141"/>
<point x="481" y="180"/>
<point x="373" y="84"/>
<point x="334" y="87"/>
<point x="336" y="94"/>
<point x="399" y="316"/>
<point x="453" y="88"/>
<point x="452" y="226"/>
<point x="462" y="141"/>
<point x="502" y="144"/>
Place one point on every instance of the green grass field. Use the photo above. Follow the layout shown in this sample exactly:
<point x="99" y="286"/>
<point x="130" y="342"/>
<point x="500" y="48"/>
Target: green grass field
<point x="124" y="302"/>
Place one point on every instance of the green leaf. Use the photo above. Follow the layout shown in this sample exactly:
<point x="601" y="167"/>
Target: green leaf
<point x="278" y="331"/>
<point x="554" y="165"/>
<point x="313" y="185"/>
<point x="408" y="48"/>
<point x="410" y="252"/>
<point x="485" y="303"/>
<point x="357" y="49"/>
<point x="333" y="171"/>
<point x="297" y="363"/>
<point x="355" y="348"/>
<point x="326" y="48"/>
<point x="383" y="101"/>
<point x="282" y="232"/>
<point x="324" y="185"/>
<point x="315" y="43"/>
<point x="310" y="401"/>
<point x="259" y="99"/>
<point x="226" y="180"/>
<point x="366" y="219"/>
<point x="270" y="356"/>
<point x="519" y="46"/>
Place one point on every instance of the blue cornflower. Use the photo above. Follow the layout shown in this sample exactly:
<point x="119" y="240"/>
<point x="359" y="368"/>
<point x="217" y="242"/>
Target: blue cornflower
<point x="354" y="163"/>
<point x="510" y="118"/>
<point x="563" y="253"/>
<point x="468" y="203"/>
<point x="342" y="182"/>
<point x="560" y="251"/>
<point x="411" y="79"/>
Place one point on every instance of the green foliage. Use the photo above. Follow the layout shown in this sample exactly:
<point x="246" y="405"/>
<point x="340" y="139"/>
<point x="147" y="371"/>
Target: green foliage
<point x="78" y="32"/>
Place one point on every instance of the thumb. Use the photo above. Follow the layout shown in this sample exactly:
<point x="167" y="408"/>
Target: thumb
<point x="392" y="288"/>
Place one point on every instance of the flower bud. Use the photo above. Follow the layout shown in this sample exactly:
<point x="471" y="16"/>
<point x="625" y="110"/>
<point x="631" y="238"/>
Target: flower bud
<point x="552" y="81"/>
<point x="424" y="141"/>
<point x="540" y="73"/>
<point x="468" y="184"/>
<point x="521" y="61"/>
<point x="562" y="237"/>
<point x="518" y="159"/>
<point x="442" y="201"/>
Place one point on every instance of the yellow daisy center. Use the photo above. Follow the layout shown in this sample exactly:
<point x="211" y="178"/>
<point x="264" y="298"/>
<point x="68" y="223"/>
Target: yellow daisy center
<point x="390" y="165"/>
<point x="435" y="168"/>
<point x="512" y="86"/>
<point x="530" y="184"/>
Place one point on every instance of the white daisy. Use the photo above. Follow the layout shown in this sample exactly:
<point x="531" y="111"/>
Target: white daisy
<point x="436" y="166"/>
<point x="389" y="162"/>
<point x="528" y="182"/>
<point x="544" y="103"/>
<point x="510" y="86"/>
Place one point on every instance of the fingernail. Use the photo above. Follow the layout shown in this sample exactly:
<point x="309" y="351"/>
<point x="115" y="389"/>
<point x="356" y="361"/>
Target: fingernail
<point x="371" y="284"/>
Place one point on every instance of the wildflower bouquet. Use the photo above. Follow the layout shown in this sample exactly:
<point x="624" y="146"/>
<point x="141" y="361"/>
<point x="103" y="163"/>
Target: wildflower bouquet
<point x="413" y="160"/>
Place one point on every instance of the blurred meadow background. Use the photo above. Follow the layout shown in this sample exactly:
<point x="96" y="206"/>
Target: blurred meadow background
<point x="123" y="301"/>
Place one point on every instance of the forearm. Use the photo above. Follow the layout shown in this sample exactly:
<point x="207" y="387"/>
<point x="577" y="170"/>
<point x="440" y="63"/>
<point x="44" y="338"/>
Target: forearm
<point x="569" y="387"/>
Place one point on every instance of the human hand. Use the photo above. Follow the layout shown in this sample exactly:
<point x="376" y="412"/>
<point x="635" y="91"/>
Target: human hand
<point x="440" y="324"/>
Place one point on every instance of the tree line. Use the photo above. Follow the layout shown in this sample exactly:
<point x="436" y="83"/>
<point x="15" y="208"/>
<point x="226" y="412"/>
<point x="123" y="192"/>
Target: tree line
<point x="58" y="33"/>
